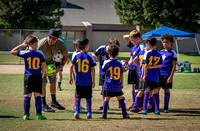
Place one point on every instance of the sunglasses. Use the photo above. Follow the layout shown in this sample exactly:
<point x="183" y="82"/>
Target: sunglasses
<point x="52" y="38"/>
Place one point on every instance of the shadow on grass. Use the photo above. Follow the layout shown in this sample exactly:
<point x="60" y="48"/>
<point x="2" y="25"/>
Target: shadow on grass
<point x="186" y="112"/>
<point x="2" y="116"/>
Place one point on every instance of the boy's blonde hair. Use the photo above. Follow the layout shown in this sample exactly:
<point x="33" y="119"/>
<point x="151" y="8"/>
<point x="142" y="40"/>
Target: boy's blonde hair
<point x="31" y="39"/>
<point x="135" y="34"/>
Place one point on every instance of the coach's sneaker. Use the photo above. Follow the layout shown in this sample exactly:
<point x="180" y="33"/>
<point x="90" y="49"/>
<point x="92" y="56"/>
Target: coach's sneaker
<point x="126" y="116"/>
<point x="76" y="115"/>
<point x="26" y="117"/>
<point x="166" y="111"/>
<point x="103" y="116"/>
<point x="41" y="117"/>
<point x="143" y="112"/>
<point x="89" y="115"/>
<point x="157" y="112"/>
<point x="46" y="108"/>
<point x="57" y="105"/>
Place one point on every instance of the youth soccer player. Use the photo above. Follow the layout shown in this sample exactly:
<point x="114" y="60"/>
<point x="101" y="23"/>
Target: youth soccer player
<point x="84" y="64"/>
<point x="34" y="62"/>
<point x="169" y="66"/>
<point x="133" y="41"/>
<point x="114" y="81"/>
<point x="102" y="52"/>
<point x="152" y="62"/>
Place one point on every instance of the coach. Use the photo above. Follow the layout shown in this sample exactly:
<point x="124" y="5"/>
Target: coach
<point x="49" y="46"/>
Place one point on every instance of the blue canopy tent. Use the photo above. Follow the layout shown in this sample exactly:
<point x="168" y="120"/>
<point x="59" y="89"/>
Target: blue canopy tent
<point x="179" y="35"/>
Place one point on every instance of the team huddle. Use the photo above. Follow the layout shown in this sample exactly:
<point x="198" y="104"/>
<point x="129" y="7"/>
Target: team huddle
<point x="149" y="70"/>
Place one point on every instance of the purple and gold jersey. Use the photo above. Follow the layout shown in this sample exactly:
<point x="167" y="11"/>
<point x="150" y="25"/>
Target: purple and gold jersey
<point x="134" y="52"/>
<point x="83" y="62"/>
<point x="140" y="59"/>
<point x="113" y="70"/>
<point x="33" y="61"/>
<point x="152" y="58"/>
<point x="103" y="55"/>
<point x="168" y="58"/>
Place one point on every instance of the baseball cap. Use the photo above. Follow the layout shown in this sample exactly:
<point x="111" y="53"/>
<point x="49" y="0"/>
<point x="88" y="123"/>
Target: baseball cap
<point x="53" y="33"/>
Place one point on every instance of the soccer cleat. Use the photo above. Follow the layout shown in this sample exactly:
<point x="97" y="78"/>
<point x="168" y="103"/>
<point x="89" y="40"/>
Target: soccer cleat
<point x="103" y="116"/>
<point x="143" y="112"/>
<point x="166" y="111"/>
<point x="89" y="115"/>
<point x="46" y="108"/>
<point x="41" y="117"/>
<point x="134" y="110"/>
<point x="76" y="115"/>
<point x="59" y="88"/>
<point x="126" y="116"/>
<point x="57" y="105"/>
<point x="26" y="117"/>
<point x="81" y="108"/>
<point x="131" y="106"/>
<point x="157" y="112"/>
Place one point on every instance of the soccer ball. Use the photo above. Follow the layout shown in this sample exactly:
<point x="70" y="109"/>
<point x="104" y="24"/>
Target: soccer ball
<point x="50" y="70"/>
<point x="125" y="65"/>
<point x="58" y="57"/>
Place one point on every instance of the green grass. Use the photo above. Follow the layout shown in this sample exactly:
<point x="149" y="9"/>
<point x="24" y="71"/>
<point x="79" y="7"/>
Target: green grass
<point x="184" y="108"/>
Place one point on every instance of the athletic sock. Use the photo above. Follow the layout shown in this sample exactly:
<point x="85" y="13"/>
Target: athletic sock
<point x="166" y="101"/>
<point x="133" y="95"/>
<point x="89" y="105"/>
<point x="105" y="107"/>
<point x="153" y="101"/>
<point x="59" y="84"/>
<point x="140" y="104"/>
<point x="27" y="104"/>
<point x="78" y="101"/>
<point x="38" y="105"/>
<point x="150" y="103"/>
<point x="157" y="102"/>
<point x="123" y="106"/>
<point x="137" y="101"/>
<point x="145" y="101"/>
<point x="53" y="98"/>
<point x="44" y="101"/>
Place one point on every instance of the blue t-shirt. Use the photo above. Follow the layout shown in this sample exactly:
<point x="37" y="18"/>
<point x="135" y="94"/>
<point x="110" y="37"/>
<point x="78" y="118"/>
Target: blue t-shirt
<point x="103" y="55"/>
<point x="168" y="58"/>
<point x="83" y="62"/>
<point x="113" y="69"/>
<point x="33" y="61"/>
<point x="134" y="52"/>
<point x="152" y="58"/>
<point x="140" y="59"/>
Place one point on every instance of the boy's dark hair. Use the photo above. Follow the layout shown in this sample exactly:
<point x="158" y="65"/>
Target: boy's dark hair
<point x="113" y="50"/>
<point x="135" y="34"/>
<point x="31" y="39"/>
<point x="168" y="37"/>
<point x="151" y="40"/>
<point x="82" y="43"/>
<point x="113" y="40"/>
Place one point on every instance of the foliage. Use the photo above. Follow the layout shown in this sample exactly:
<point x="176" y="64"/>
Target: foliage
<point x="30" y="14"/>
<point x="151" y="14"/>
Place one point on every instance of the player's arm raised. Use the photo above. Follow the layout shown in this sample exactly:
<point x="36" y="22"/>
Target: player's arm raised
<point x="16" y="49"/>
<point x="126" y="39"/>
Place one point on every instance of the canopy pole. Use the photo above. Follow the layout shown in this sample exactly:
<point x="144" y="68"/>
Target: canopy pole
<point x="177" y="49"/>
<point x="197" y="45"/>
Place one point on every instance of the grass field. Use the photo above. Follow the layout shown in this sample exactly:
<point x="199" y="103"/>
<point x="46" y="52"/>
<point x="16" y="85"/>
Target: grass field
<point x="184" y="105"/>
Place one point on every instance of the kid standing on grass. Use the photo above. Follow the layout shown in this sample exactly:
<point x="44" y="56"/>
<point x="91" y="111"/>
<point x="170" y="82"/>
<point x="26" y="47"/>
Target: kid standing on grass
<point x="34" y="61"/>
<point x="169" y="66"/>
<point x="84" y="76"/>
<point x="102" y="52"/>
<point x="152" y="62"/>
<point x="114" y="81"/>
<point x="133" y="41"/>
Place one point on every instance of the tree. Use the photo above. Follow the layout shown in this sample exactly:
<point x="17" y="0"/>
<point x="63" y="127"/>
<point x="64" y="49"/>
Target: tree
<point x="151" y="14"/>
<point x="30" y="14"/>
